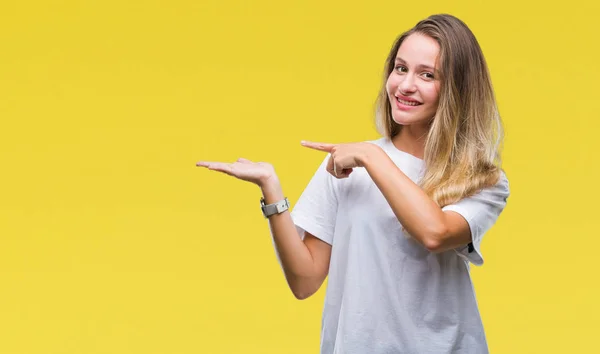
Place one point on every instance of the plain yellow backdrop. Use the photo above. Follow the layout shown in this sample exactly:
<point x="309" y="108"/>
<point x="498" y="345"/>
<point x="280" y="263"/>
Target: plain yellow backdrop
<point x="112" y="241"/>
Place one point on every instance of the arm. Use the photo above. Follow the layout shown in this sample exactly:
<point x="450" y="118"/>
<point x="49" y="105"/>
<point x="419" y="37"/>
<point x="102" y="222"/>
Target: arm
<point x="305" y="262"/>
<point x="435" y="229"/>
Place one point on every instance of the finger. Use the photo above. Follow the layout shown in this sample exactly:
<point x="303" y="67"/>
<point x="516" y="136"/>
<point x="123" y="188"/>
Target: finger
<point x="346" y="173"/>
<point x="318" y="146"/>
<point x="220" y="167"/>
<point x="243" y="160"/>
<point x="337" y="170"/>
<point x="330" y="165"/>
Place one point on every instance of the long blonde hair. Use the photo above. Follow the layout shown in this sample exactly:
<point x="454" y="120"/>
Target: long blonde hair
<point x="462" y="151"/>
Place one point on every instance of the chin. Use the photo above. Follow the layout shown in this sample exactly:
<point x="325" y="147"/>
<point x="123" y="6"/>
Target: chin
<point x="402" y="118"/>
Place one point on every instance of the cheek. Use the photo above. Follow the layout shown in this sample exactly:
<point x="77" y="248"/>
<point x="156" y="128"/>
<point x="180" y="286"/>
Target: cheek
<point x="432" y="93"/>
<point x="388" y="85"/>
<point x="391" y="83"/>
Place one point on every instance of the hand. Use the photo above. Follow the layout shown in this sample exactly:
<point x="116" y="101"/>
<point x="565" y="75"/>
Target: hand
<point x="344" y="157"/>
<point x="258" y="173"/>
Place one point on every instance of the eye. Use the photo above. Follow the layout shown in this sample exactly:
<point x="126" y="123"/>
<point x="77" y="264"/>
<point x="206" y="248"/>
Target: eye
<point x="428" y="76"/>
<point x="401" y="68"/>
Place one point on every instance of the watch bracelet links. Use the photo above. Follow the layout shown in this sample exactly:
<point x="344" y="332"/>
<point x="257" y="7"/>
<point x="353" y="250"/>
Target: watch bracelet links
<point x="274" y="208"/>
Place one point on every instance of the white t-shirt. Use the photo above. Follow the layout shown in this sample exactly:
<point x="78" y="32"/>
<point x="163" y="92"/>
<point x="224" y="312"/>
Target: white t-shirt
<point x="385" y="292"/>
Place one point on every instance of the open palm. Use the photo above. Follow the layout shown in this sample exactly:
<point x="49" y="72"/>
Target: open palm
<point x="246" y="170"/>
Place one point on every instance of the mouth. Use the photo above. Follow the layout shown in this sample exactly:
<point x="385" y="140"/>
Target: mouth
<point x="405" y="103"/>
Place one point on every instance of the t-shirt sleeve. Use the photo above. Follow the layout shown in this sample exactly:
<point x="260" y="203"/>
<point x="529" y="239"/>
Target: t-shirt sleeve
<point x="316" y="209"/>
<point x="481" y="212"/>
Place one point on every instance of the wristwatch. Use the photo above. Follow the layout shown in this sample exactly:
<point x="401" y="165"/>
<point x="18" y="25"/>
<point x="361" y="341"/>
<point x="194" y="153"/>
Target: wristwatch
<point x="275" y="208"/>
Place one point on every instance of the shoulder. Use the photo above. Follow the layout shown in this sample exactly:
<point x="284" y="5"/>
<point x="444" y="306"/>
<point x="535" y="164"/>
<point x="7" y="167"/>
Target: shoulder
<point x="494" y="195"/>
<point x="502" y="186"/>
<point x="381" y="142"/>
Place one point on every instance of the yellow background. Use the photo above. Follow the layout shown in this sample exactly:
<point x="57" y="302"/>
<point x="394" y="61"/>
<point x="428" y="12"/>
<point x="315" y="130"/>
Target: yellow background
<point x="112" y="241"/>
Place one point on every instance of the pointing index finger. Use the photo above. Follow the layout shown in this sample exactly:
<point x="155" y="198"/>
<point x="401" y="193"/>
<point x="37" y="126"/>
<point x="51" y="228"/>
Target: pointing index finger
<point x="318" y="146"/>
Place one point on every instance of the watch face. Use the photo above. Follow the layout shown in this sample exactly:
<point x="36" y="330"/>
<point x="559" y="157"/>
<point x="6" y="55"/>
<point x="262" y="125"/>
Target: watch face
<point x="274" y="208"/>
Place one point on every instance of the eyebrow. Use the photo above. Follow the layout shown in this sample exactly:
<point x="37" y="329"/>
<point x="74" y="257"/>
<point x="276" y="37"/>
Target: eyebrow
<point x="420" y="66"/>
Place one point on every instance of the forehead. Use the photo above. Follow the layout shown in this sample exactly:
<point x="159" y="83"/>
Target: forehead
<point x="419" y="49"/>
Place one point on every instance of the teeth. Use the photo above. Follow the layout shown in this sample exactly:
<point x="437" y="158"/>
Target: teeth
<point x="408" y="103"/>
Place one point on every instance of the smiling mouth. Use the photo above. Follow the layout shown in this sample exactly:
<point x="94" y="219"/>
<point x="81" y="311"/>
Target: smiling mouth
<point x="407" y="103"/>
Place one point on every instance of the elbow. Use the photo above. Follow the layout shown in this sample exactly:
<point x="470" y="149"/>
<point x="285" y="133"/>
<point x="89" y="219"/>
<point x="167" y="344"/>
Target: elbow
<point x="302" y="294"/>
<point x="433" y="241"/>
<point x="433" y="245"/>
<point x="303" y="289"/>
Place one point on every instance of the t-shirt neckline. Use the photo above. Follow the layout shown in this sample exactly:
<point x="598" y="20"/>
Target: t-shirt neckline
<point x="395" y="150"/>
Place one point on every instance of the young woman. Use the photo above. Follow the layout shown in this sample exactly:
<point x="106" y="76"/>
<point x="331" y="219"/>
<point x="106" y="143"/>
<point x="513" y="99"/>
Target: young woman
<point x="394" y="222"/>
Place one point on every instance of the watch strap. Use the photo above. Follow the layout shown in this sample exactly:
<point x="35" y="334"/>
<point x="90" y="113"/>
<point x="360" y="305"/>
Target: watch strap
<point x="274" y="208"/>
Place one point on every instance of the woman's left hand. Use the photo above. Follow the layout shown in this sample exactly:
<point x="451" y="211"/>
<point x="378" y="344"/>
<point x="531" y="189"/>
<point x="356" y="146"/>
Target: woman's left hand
<point x="344" y="157"/>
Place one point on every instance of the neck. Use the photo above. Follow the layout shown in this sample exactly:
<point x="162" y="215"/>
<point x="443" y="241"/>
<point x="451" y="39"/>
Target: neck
<point x="411" y="139"/>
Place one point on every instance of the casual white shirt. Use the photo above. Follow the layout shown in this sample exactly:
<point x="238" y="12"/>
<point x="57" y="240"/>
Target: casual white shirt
<point x="385" y="292"/>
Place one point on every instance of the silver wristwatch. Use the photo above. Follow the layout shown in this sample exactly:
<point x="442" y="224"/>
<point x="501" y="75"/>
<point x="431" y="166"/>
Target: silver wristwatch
<point x="275" y="208"/>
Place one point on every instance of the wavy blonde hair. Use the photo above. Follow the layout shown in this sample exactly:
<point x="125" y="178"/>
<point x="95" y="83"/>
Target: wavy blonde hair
<point x="462" y="150"/>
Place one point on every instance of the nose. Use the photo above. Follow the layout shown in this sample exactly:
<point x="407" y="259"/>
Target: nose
<point x="407" y="84"/>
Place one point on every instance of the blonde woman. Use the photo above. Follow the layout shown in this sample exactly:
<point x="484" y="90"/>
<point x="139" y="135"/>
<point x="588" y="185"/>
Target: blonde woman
<point x="395" y="222"/>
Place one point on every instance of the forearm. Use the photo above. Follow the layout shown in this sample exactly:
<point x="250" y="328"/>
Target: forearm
<point x="296" y="259"/>
<point x="417" y="212"/>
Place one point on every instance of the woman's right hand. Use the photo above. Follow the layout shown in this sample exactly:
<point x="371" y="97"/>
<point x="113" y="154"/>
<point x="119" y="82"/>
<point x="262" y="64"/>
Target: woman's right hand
<point x="259" y="173"/>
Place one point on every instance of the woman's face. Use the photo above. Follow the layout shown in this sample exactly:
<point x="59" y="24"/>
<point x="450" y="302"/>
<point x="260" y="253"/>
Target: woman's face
<point x="413" y="86"/>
